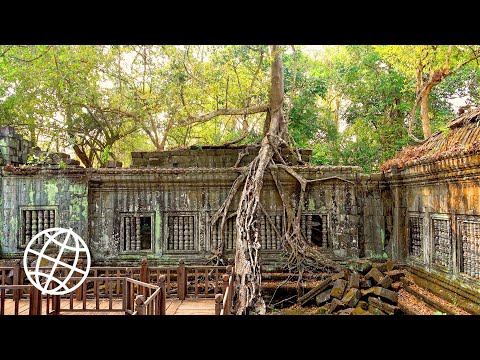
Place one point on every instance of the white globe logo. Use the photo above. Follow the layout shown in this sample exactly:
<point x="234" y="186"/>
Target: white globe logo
<point x="40" y="279"/>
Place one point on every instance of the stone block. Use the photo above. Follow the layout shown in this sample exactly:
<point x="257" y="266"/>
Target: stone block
<point x="340" y="275"/>
<point x="382" y="292"/>
<point x="346" y="311"/>
<point x="352" y="297"/>
<point x="360" y="311"/>
<point x="385" y="282"/>
<point x="395" y="275"/>
<point x="322" y="298"/>
<point x="362" y="304"/>
<point x="375" y="311"/>
<point x="375" y="275"/>
<point x="386" y="308"/>
<point x="354" y="281"/>
<point x="336" y="305"/>
<point x="338" y="288"/>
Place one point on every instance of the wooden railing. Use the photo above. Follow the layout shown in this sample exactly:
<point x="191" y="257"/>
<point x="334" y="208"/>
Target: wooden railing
<point x="108" y="289"/>
<point x="224" y="301"/>
<point x="109" y="283"/>
<point x="154" y="304"/>
<point x="35" y="303"/>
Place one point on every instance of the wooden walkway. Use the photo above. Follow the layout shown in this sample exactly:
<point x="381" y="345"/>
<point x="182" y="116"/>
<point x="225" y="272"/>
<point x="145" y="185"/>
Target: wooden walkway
<point x="189" y="306"/>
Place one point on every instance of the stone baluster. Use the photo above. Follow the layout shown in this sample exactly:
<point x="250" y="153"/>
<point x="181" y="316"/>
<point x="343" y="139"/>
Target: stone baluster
<point x="181" y="229"/>
<point x="309" y="228"/>
<point x="52" y="218"/>
<point x="268" y="234"/>
<point x="34" y="225"/>
<point x="465" y="248"/>
<point x="138" y="228"/>
<point x="263" y="240"/>
<point x="127" y="245"/>
<point x="40" y="225"/>
<point x="28" y="226"/>
<point x="191" y="244"/>
<point x="175" y="232"/>
<point x="278" y="224"/>
<point x="324" y="231"/>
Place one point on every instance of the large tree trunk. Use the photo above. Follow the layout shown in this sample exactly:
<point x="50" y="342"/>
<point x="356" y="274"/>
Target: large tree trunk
<point x="247" y="257"/>
<point x="302" y="253"/>
<point x="425" y="117"/>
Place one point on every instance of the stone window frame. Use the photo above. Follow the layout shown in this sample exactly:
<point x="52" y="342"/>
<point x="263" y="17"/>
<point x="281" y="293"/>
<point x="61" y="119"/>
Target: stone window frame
<point x="410" y="256"/>
<point x="209" y="240"/>
<point x="329" y="226"/>
<point x="21" y="217"/>
<point x="125" y="214"/>
<point x="431" y="244"/>
<point x="459" y="246"/>
<point x="195" y="231"/>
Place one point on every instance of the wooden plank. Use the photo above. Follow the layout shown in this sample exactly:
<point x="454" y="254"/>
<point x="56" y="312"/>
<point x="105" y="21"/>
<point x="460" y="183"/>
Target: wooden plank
<point x="215" y="292"/>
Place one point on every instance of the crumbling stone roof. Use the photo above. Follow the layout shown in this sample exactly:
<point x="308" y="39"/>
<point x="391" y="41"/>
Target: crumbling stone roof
<point x="461" y="138"/>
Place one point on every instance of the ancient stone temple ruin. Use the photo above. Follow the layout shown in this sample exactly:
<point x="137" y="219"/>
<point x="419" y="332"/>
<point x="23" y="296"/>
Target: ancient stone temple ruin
<point x="423" y="209"/>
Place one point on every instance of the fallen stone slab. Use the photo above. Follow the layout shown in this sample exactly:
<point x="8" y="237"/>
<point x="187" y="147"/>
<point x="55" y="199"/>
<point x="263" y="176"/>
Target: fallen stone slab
<point x="366" y="284"/>
<point x="323" y="297"/>
<point x="352" y="297"/>
<point x="338" y="288"/>
<point x="375" y="311"/>
<point x="335" y="305"/>
<point x="354" y="280"/>
<point x="386" y="308"/>
<point x="374" y="274"/>
<point x="359" y="311"/>
<point x="385" y="282"/>
<point x="315" y="291"/>
<point x="396" y="275"/>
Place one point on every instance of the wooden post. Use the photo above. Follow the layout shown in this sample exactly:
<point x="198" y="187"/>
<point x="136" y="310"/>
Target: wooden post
<point x="218" y="303"/>
<point x="144" y="276"/>
<point x="225" y="279"/>
<point x="35" y="301"/>
<point x="162" y="298"/>
<point x="181" y="280"/>
<point x="17" y="279"/>
<point x="144" y="271"/>
<point x="55" y="305"/>
<point x="79" y="291"/>
<point x="140" y="304"/>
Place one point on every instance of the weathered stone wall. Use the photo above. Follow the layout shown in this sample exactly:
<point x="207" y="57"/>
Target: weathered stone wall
<point x="161" y="207"/>
<point x="343" y="211"/>
<point x="46" y="190"/>
<point x="160" y="193"/>
<point x="13" y="147"/>
<point x="437" y="217"/>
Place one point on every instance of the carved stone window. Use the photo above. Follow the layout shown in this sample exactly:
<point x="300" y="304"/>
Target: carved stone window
<point x="315" y="229"/>
<point x="470" y="245"/>
<point x="33" y="220"/>
<point x="180" y="232"/>
<point x="442" y="241"/>
<point x="416" y="235"/>
<point x="136" y="232"/>
<point x="228" y="237"/>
